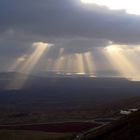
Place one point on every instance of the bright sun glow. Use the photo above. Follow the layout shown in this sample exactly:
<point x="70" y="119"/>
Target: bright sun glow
<point x="118" y="58"/>
<point x="131" y="6"/>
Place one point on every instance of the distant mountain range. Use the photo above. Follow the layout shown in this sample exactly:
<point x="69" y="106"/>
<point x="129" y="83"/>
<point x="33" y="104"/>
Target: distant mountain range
<point x="67" y="90"/>
<point x="69" y="82"/>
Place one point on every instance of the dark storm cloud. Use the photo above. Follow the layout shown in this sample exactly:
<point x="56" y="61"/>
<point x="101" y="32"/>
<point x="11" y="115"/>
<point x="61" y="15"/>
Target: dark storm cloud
<point x="13" y="48"/>
<point x="53" y="19"/>
<point x="79" y="45"/>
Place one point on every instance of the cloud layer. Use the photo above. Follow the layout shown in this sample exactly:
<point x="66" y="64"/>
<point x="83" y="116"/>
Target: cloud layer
<point x="69" y="19"/>
<point x="68" y="24"/>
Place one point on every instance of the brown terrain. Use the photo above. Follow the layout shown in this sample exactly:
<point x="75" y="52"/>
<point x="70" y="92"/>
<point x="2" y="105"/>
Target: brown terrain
<point x="54" y="127"/>
<point x="127" y="128"/>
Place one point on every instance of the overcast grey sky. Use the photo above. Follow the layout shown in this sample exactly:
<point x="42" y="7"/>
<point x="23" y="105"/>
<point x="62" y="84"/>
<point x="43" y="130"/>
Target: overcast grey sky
<point x="67" y="24"/>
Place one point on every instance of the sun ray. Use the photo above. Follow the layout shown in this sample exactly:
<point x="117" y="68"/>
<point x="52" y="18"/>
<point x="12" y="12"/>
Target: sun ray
<point x="68" y="63"/>
<point x="80" y="63"/>
<point x="75" y="64"/>
<point x="40" y="48"/>
<point x="89" y="63"/>
<point x="120" y="61"/>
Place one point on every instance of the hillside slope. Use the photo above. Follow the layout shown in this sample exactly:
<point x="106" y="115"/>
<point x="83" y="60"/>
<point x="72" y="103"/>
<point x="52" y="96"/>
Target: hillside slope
<point x="127" y="128"/>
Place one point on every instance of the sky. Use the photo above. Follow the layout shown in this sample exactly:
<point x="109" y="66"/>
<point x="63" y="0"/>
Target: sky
<point x="69" y="36"/>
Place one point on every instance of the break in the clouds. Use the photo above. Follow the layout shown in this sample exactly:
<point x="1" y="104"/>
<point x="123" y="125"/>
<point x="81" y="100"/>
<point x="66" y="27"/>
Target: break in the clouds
<point x="67" y="24"/>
